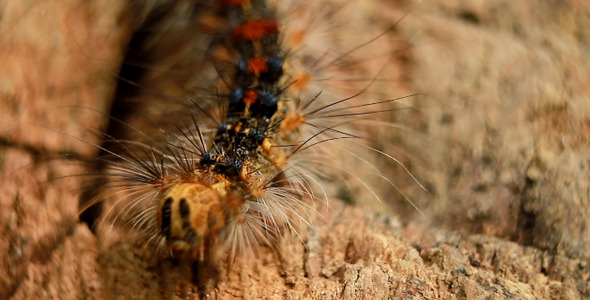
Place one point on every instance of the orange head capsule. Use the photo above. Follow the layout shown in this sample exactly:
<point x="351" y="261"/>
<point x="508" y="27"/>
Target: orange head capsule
<point x="190" y="216"/>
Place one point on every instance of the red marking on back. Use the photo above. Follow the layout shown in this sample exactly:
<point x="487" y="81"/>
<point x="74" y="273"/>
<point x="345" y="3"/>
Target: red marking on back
<point x="250" y="97"/>
<point x="255" y="29"/>
<point x="257" y="65"/>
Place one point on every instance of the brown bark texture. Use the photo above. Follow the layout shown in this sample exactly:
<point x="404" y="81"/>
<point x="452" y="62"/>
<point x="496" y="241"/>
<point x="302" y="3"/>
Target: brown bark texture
<point x="502" y="145"/>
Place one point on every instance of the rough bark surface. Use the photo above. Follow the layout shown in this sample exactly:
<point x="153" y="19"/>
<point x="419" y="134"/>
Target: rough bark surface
<point x="505" y="154"/>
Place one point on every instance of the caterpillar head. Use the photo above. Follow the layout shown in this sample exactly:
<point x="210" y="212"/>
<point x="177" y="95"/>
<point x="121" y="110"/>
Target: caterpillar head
<point x="191" y="215"/>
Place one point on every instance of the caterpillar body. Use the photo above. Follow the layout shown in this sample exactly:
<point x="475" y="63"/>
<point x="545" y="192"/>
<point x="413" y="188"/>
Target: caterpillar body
<point x="243" y="120"/>
<point x="251" y="152"/>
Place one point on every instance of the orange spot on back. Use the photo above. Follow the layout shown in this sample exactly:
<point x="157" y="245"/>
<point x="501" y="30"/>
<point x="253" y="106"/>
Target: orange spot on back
<point x="255" y="29"/>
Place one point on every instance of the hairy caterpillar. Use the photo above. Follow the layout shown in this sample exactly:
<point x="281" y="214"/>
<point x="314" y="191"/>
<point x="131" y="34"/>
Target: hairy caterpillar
<point x="283" y="158"/>
<point x="247" y="162"/>
<point x="464" y="62"/>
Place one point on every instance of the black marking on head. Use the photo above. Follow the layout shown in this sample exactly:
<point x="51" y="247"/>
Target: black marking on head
<point x="166" y="214"/>
<point x="189" y="234"/>
<point x="184" y="209"/>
